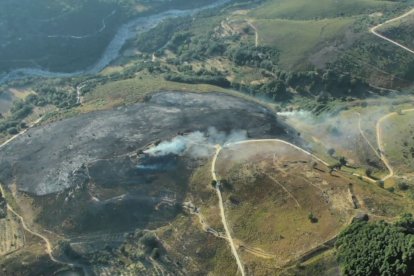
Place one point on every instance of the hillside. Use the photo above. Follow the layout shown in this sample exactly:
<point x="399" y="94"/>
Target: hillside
<point x="228" y="137"/>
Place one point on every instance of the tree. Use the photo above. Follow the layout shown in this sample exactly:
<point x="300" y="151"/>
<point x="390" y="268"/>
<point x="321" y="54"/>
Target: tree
<point x="331" y="151"/>
<point x="407" y="222"/>
<point x="12" y="131"/>
<point x="213" y="183"/>
<point x="391" y="189"/>
<point x="403" y="186"/>
<point x="312" y="218"/>
<point x="379" y="248"/>
<point x="343" y="161"/>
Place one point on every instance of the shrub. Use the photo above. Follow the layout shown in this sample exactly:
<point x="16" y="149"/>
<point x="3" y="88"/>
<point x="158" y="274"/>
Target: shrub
<point x="213" y="183"/>
<point x="403" y="186"/>
<point x="391" y="189"/>
<point x="312" y="218"/>
<point x="149" y="240"/>
<point x="12" y="131"/>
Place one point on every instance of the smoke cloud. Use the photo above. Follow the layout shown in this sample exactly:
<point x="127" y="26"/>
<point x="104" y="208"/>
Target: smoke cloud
<point x="298" y="113"/>
<point x="197" y="144"/>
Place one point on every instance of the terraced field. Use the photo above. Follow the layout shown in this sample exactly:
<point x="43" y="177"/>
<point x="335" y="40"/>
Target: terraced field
<point x="12" y="236"/>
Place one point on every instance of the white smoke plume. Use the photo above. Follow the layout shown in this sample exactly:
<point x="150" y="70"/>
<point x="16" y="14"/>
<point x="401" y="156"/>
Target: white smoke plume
<point x="299" y="113"/>
<point x="197" y="144"/>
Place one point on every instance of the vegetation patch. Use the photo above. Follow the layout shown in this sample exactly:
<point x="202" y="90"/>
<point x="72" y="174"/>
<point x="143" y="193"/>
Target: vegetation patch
<point x="377" y="248"/>
<point x="274" y="195"/>
<point x="304" y="10"/>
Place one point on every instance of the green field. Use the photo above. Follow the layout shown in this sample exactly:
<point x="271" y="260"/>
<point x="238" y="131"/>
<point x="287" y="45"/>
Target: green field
<point x="398" y="133"/>
<point x="318" y="29"/>
<point x="305" y="9"/>
<point x="297" y="39"/>
<point x="133" y="90"/>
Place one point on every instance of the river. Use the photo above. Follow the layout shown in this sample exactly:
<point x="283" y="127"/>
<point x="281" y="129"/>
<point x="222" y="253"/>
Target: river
<point x="112" y="51"/>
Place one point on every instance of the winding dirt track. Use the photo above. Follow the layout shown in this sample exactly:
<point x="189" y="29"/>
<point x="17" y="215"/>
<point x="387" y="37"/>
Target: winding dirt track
<point x="20" y="133"/>
<point x="49" y="248"/>
<point x="256" y="32"/>
<point x="279" y="141"/>
<point x="374" y="29"/>
<point x="223" y="216"/>
<point x="381" y="145"/>
<point x="366" y="138"/>
<point x="221" y="205"/>
<point x="381" y="155"/>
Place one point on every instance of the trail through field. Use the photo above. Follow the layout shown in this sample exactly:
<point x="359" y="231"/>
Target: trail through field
<point x="255" y="251"/>
<point x="221" y="205"/>
<point x="284" y="188"/>
<point x="48" y="249"/>
<point x="279" y="141"/>
<point x="79" y="87"/>
<point x="366" y="138"/>
<point x="374" y="30"/>
<point x="223" y="216"/>
<point x="381" y="144"/>
<point x="256" y="33"/>
<point x="258" y="252"/>
<point x="20" y="133"/>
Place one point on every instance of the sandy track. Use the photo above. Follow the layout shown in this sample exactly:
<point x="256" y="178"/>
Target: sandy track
<point x="279" y="141"/>
<point x="49" y="248"/>
<point x="256" y="33"/>
<point x="374" y="29"/>
<point x="366" y="138"/>
<point x="284" y="188"/>
<point x="223" y="215"/>
<point x="20" y="133"/>
<point x="221" y="205"/>
<point x="381" y="144"/>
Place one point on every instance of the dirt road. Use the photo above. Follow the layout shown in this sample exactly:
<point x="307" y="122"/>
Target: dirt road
<point x="366" y="138"/>
<point x="381" y="145"/>
<point x="279" y="141"/>
<point x="374" y="29"/>
<point x="49" y="248"/>
<point x="45" y="239"/>
<point x="20" y="133"/>
<point x="256" y="33"/>
<point x="221" y="206"/>
<point x="223" y="215"/>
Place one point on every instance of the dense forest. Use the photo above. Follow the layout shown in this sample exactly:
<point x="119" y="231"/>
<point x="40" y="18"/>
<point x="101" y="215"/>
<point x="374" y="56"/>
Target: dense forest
<point x="379" y="248"/>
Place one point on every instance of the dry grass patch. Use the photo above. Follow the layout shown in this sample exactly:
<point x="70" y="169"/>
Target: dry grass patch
<point x="272" y="190"/>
